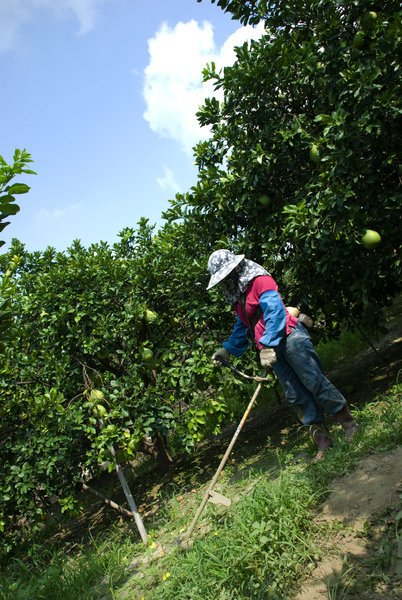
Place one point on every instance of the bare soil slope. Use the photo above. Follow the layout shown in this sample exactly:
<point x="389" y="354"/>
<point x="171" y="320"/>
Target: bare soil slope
<point x="372" y="494"/>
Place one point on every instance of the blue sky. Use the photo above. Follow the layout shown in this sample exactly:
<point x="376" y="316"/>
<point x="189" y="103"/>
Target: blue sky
<point x="103" y="94"/>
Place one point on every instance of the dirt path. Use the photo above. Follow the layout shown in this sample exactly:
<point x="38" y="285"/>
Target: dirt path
<point x="373" y="492"/>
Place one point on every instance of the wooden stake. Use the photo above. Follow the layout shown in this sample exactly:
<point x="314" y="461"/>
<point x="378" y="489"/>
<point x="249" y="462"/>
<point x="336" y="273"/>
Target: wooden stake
<point x="130" y="498"/>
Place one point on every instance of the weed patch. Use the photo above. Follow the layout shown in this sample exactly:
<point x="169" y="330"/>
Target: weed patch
<point x="268" y="538"/>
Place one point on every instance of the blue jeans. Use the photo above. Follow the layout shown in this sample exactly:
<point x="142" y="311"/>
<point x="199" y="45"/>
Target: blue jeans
<point x="301" y="375"/>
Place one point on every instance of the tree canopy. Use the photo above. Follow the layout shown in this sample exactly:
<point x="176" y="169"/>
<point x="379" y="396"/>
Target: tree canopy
<point x="305" y="155"/>
<point x="112" y="347"/>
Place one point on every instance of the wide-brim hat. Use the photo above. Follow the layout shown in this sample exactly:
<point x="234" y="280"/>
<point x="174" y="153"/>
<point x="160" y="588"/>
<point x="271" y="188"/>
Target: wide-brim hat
<point x="220" y="264"/>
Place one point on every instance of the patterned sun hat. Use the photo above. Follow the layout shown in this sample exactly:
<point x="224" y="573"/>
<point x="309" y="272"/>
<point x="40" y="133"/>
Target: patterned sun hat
<point x="220" y="264"/>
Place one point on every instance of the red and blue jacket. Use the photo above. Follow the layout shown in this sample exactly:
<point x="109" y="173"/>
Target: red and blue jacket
<point x="274" y="324"/>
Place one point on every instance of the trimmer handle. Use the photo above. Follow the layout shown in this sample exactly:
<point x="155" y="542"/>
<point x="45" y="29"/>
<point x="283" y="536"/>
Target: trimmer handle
<point x="224" y="362"/>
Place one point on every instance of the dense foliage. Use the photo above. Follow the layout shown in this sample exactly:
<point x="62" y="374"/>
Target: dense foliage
<point x="305" y="154"/>
<point x="111" y="347"/>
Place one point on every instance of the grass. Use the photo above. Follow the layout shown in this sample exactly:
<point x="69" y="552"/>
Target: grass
<point x="257" y="549"/>
<point x="348" y="344"/>
<point x="267" y="537"/>
<point x="91" y="573"/>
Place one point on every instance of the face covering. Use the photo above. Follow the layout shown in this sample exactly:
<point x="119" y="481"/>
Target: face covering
<point x="239" y="279"/>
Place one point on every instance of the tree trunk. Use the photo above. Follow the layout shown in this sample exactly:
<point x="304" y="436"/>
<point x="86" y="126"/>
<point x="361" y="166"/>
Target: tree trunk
<point x="157" y="449"/>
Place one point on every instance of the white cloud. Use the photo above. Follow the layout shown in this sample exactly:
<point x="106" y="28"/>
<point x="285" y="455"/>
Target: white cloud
<point x="173" y="87"/>
<point x="13" y="13"/>
<point x="57" y="213"/>
<point x="168" y="182"/>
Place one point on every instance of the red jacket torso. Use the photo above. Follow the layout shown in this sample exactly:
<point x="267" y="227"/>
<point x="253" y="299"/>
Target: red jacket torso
<point x="258" y="286"/>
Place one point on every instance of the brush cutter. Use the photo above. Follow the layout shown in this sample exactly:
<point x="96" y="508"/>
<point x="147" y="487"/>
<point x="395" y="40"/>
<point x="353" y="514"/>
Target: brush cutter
<point x="210" y="495"/>
<point x="258" y="379"/>
<point x="249" y="377"/>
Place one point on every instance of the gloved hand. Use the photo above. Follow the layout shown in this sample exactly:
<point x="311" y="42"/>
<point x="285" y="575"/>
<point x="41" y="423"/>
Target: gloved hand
<point x="267" y="357"/>
<point x="292" y="310"/>
<point x="222" y="353"/>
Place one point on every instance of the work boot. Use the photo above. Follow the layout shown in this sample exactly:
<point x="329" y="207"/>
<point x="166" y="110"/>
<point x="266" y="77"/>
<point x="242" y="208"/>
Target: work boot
<point x="320" y="434"/>
<point x="347" y="421"/>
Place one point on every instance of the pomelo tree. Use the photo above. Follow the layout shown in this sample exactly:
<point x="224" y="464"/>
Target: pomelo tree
<point x="311" y="120"/>
<point x="111" y="347"/>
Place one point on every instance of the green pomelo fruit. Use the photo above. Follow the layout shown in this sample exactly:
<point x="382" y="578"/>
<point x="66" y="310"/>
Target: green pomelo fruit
<point x="314" y="154"/>
<point x="264" y="200"/>
<point x="150" y="316"/>
<point x="134" y="444"/>
<point x="369" y="18"/>
<point x="155" y="365"/>
<point x="147" y="355"/>
<point x="358" y="40"/>
<point x="371" y="239"/>
<point x="121" y="455"/>
<point x="96" y="395"/>
<point x="173" y="322"/>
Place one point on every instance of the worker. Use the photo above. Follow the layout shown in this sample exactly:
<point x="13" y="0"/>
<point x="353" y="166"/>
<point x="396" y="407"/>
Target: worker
<point x="283" y="343"/>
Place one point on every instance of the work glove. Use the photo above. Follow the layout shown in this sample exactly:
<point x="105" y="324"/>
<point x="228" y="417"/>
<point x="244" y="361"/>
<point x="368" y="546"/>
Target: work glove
<point x="292" y="310"/>
<point x="221" y="353"/>
<point x="267" y="357"/>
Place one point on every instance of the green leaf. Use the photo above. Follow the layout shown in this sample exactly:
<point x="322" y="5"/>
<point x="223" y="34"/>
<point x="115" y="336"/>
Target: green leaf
<point x="3" y="225"/>
<point x="6" y="199"/>
<point x="8" y="209"/>
<point x="19" y="188"/>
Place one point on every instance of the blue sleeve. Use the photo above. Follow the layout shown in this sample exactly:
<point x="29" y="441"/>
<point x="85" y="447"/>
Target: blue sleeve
<point x="238" y="342"/>
<point x="274" y="314"/>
